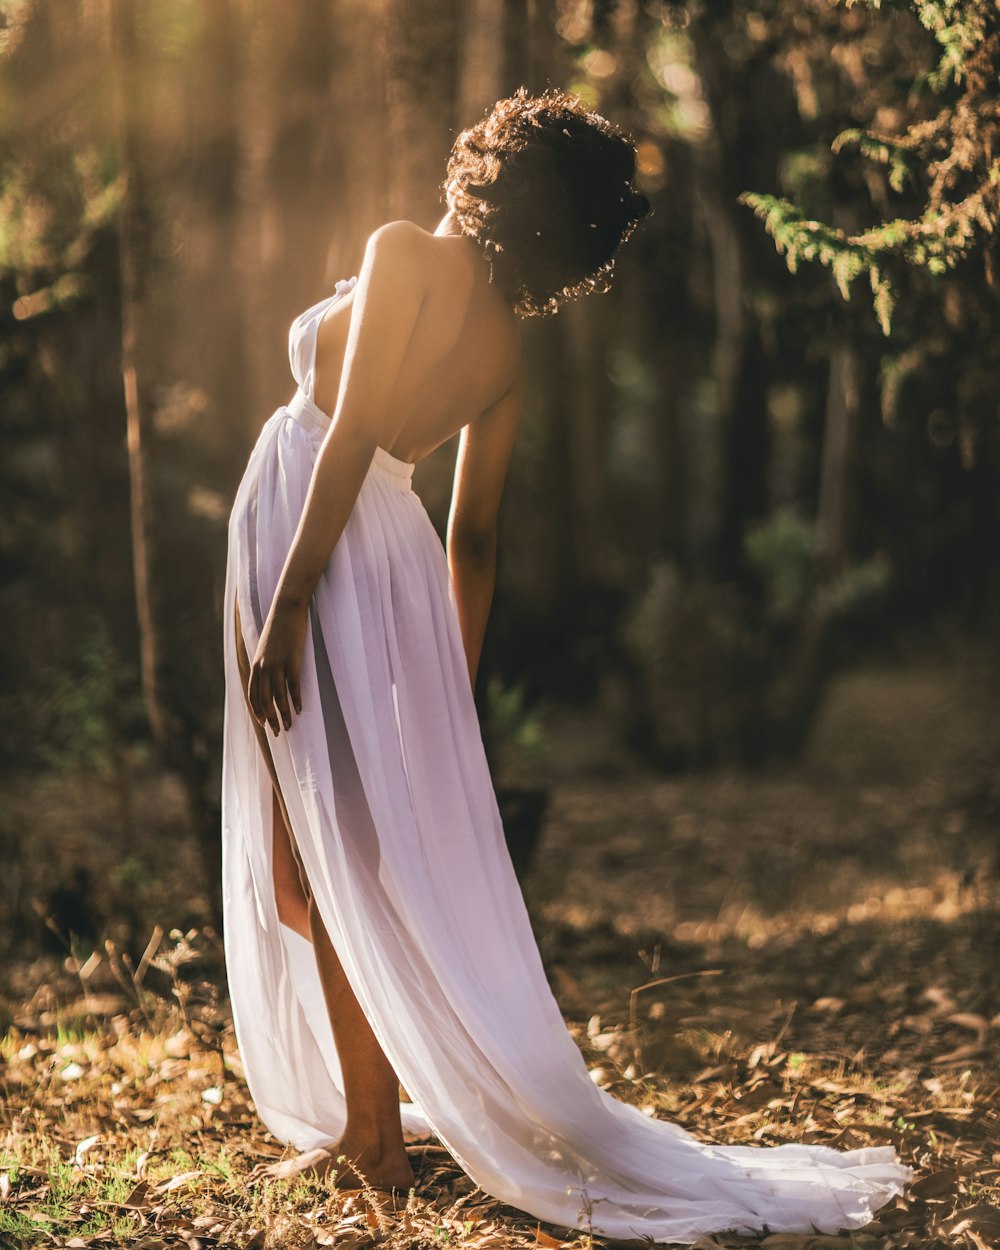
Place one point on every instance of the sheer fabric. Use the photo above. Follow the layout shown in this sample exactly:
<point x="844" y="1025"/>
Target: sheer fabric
<point x="394" y="815"/>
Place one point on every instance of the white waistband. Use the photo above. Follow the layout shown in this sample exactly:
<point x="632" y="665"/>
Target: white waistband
<point x="312" y="418"/>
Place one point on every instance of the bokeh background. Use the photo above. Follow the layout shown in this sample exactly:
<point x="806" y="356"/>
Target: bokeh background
<point x="751" y="525"/>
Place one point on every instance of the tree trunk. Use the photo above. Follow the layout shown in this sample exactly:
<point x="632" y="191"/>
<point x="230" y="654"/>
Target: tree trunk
<point x="836" y="486"/>
<point x="215" y="361"/>
<point x="421" y="43"/>
<point x="749" y="104"/>
<point x="533" y="51"/>
<point x="177" y="718"/>
<point x="584" y="327"/>
<point x="481" y="69"/>
<point x="135" y="248"/>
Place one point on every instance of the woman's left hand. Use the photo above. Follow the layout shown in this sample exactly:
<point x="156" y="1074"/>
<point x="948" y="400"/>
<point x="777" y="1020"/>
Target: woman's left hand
<point x="274" y="687"/>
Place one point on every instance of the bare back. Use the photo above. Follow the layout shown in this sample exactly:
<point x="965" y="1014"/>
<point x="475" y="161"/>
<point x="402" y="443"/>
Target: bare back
<point x="462" y="357"/>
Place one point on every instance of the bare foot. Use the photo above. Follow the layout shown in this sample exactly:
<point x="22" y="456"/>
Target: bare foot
<point x="366" y="1169"/>
<point x="346" y="1167"/>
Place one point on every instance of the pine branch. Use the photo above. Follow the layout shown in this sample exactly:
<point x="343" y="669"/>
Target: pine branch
<point x="953" y="148"/>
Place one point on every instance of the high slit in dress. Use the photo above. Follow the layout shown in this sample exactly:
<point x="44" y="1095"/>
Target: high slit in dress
<point x="395" y="819"/>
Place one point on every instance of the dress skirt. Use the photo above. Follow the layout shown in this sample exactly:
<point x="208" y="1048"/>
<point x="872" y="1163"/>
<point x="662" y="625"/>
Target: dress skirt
<point x="393" y="811"/>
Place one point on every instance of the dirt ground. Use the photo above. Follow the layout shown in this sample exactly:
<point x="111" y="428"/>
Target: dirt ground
<point x="808" y="953"/>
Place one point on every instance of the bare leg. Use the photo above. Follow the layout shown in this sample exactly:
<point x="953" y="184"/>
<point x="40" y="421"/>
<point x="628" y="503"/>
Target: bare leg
<point x="372" y="1143"/>
<point x="289" y="893"/>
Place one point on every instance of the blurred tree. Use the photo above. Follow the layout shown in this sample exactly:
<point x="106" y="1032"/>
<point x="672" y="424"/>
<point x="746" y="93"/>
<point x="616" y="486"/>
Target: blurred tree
<point x="731" y="459"/>
<point x="421" y="75"/>
<point x="64" y="534"/>
<point x="936" y="151"/>
<point x="138" y="338"/>
<point x="951" y="155"/>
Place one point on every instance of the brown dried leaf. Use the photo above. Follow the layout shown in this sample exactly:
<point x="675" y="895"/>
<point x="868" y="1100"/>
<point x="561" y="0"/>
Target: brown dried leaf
<point x="969" y="1020"/>
<point x="175" y="1182"/>
<point x="960" y="1055"/>
<point x="137" y="1199"/>
<point x="722" y="1072"/>
<point x="803" y="1241"/>
<point x="982" y="1216"/>
<point x="543" y="1239"/>
<point x="935" y="1185"/>
<point x="943" y="1002"/>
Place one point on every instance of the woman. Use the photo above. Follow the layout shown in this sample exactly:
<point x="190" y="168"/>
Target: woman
<point x="375" y="932"/>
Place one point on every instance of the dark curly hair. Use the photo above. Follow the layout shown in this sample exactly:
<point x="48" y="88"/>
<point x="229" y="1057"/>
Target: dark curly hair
<point x="545" y="187"/>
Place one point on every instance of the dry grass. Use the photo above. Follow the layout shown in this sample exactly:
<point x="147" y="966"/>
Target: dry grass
<point x="135" y="1127"/>
<point x="846" y="911"/>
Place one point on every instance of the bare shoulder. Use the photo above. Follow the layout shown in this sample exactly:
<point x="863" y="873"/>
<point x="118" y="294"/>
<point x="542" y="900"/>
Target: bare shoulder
<point x="401" y="233"/>
<point x="397" y="242"/>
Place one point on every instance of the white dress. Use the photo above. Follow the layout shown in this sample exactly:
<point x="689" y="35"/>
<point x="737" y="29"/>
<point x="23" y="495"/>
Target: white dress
<point x="394" y="814"/>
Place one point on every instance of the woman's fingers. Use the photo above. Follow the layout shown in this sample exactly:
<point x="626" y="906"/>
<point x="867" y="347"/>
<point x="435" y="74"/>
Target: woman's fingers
<point x="266" y="710"/>
<point x="272" y="696"/>
<point x="272" y="691"/>
<point x="279" y="687"/>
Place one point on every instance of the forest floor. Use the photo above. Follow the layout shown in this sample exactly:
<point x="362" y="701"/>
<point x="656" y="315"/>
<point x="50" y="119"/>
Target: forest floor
<point x="808" y="954"/>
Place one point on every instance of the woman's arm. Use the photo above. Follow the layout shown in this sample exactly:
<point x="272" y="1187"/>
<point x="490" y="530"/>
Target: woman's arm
<point x="483" y="456"/>
<point x="387" y="301"/>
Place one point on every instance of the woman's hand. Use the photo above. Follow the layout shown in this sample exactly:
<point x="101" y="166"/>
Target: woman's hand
<point x="277" y="665"/>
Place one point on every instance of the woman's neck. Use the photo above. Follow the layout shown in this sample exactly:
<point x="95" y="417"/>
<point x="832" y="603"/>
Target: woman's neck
<point x="448" y="224"/>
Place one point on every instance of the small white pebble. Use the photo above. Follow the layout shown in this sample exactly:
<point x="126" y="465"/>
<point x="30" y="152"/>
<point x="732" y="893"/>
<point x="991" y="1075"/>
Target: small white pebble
<point x="72" y="1072"/>
<point x="212" y="1095"/>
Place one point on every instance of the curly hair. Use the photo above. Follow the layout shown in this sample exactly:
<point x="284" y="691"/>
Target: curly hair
<point x="545" y="187"/>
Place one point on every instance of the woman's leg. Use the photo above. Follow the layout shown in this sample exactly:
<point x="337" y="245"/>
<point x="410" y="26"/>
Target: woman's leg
<point x="291" y="896"/>
<point x="373" y="1139"/>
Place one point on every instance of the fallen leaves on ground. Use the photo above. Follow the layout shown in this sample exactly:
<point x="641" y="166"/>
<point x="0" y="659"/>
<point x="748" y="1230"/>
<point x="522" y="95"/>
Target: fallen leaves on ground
<point x="130" y="1152"/>
<point x="800" y="956"/>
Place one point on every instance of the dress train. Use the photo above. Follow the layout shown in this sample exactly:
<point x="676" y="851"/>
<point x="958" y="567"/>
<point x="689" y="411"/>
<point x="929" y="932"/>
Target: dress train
<point x="394" y="815"/>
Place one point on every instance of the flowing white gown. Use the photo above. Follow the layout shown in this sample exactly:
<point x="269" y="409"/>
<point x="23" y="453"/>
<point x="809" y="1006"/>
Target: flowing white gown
<point x="394" y="814"/>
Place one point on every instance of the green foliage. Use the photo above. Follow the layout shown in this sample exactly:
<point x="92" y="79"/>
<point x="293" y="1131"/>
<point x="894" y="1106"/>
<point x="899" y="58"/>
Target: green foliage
<point x="51" y="209"/>
<point x="81" y="703"/>
<point x="723" y="679"/>
<point x="952" y="154"/>
<point x="881" y="151"/>
<point x="805" y="172"/>
<point x="846" y="257"/>
<point x="782" y="550"/>
<point x="859" y="588"/>
<point x="699" y="656"/>
<point x="511" y="718"/>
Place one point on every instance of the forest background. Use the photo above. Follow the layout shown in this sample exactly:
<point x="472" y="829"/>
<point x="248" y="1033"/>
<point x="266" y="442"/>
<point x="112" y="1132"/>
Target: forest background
<point x="753" y="514"/>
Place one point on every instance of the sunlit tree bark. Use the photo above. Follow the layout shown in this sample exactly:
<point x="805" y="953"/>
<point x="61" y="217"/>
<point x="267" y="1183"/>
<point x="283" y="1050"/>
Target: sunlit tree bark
<point x="135" y="246"/>
<point x="421" y="49"/>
